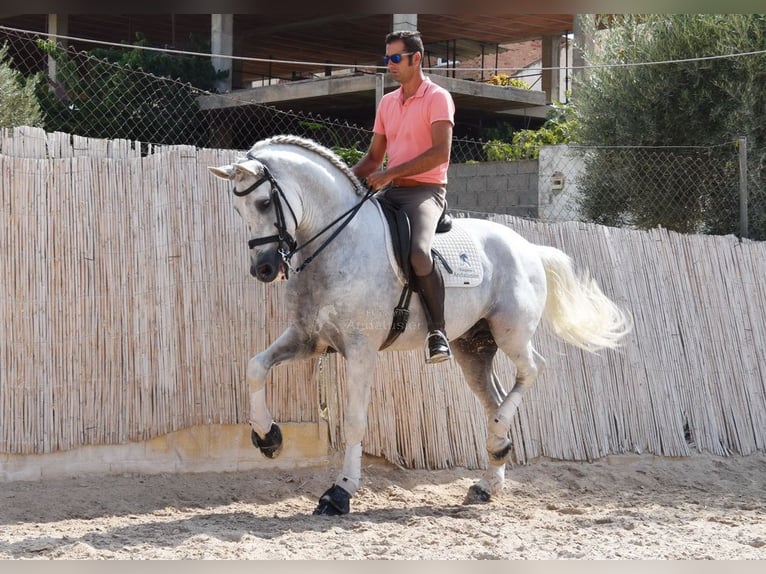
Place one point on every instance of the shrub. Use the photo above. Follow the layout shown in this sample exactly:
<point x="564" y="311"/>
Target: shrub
<point x="18" y="103"/>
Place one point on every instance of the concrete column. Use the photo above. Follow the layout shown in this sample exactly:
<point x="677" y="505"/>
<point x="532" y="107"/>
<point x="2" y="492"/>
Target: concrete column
<point x="222" y="44"/>
<point x="57" y="24"/>
<point x="551" y="61"/>
<point x="404" y="22"/>
<point x="584" y="31"/>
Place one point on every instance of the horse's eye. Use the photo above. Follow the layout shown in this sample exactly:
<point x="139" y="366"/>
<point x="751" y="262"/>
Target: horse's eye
<point x="263" y="204"/>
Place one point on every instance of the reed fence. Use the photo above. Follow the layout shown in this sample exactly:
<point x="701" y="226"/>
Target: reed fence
<point x="128" y="312"/>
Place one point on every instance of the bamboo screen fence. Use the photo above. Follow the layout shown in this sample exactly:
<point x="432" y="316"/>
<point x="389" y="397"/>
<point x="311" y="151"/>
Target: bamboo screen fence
<point x="127" y="312"/>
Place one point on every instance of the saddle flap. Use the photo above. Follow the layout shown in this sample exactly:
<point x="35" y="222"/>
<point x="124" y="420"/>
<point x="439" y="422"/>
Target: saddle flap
<point x="399" y="225"/>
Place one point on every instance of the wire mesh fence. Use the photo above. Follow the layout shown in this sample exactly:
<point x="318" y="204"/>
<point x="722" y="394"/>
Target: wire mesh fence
<point x="107" y="93"/>
<point x="686" y="189"/>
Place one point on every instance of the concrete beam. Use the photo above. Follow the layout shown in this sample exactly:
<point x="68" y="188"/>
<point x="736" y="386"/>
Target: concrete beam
<point x="221" y="45"/>
<point x="551" y="61"/>
<point x="483" y="95"/>
<point x="584" y="31"/>
<point x="57" y="24"/>
<point x="401" y="22"/>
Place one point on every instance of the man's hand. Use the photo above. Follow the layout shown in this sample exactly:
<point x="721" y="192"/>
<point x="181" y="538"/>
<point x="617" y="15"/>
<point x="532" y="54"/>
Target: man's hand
<point x="377" y="180"/>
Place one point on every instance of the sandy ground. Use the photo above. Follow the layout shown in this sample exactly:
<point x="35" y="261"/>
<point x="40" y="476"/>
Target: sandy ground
<point x="618" y="508"/>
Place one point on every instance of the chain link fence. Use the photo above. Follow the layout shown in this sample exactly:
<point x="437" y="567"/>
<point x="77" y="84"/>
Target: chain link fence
<point x="710" y="190"/>
<point x="106" y="93"/>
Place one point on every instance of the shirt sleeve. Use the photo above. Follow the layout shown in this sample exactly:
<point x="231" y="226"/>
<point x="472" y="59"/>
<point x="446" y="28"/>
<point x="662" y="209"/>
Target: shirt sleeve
<point x="442" y="107"/>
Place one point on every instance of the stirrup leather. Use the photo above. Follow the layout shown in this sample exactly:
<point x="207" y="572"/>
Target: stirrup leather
<point x="437" y="347"/>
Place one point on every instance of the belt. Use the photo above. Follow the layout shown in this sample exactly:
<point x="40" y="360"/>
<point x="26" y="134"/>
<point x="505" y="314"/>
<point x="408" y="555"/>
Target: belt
<point x="404" y="182"/>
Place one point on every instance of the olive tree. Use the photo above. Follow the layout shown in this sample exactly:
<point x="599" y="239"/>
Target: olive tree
<point x="689" y="80"/>
<point x="18" y="103"/>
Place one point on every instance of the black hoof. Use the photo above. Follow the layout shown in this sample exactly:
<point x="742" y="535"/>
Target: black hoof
<point x="334" y="502"/>
<point x="477" y="495"/>
<point x="271" y="444"/>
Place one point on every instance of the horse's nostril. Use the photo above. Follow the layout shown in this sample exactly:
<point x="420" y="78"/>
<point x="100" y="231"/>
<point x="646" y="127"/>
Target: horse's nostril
<point x="265" y="270"/>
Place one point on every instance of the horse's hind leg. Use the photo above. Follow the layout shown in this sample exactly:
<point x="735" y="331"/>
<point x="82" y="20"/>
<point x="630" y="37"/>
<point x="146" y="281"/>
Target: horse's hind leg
<point x="529" y="364"/>
<point x="474" y="352"/>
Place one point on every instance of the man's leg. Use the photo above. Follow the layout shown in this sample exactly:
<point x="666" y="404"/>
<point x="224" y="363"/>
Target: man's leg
<point x="424" y="208"/>
<point x="431" y="290"/>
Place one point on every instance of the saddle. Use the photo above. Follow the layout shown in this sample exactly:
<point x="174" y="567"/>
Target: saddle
<point x="399" y="225"/>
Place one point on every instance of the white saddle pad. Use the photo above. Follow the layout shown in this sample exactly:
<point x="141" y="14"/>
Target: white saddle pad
<point x="457" y="247"/>
<point x="460" y="251"/>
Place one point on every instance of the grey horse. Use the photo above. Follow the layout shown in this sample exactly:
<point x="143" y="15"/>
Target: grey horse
<point x="314" y="223"/>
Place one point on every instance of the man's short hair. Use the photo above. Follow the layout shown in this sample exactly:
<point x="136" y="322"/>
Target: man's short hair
<point x="411" y="39"/>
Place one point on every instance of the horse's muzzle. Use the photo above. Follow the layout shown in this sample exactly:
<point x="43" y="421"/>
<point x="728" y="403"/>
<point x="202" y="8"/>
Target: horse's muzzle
<point x="268" y="267"/>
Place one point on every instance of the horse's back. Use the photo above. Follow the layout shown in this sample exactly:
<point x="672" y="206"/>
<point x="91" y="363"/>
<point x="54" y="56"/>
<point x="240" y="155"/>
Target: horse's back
<point x="497" y="240"/>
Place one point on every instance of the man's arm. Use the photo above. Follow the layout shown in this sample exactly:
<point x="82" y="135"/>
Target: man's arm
<point x="438" y="153"/>
<point x="373" y="159"/>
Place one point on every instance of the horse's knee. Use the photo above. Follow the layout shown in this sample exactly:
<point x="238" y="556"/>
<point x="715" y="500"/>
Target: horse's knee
<point x="256" y="370"/>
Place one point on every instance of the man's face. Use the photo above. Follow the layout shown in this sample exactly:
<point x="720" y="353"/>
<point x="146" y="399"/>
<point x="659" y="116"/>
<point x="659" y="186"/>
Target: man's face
<point x="405" y="69"/>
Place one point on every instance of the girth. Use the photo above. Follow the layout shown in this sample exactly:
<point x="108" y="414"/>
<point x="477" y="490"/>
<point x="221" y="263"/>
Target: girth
<point x="399" y="225"/>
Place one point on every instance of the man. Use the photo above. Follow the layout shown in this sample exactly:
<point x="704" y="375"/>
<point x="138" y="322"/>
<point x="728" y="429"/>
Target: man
<point x="413" y="126"/>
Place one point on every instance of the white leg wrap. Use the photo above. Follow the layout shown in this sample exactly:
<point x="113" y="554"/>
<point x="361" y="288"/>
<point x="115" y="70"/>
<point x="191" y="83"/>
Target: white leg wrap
<point x="260" y="417"/>
<point x="499" y="425"/>
<point x="351" y="474"/>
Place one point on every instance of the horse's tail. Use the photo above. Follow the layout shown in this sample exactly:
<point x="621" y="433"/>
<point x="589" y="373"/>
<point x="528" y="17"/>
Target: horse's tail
<point x="577" y="309"/>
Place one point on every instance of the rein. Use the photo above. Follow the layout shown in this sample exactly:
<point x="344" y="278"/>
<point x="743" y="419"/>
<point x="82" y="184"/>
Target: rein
<point x="283" y="237"/>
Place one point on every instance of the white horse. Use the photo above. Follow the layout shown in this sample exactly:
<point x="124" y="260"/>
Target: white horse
<point x="333" y="246"/>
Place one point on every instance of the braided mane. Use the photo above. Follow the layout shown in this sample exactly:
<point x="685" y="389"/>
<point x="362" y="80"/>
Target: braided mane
<point x="315" y="147"/>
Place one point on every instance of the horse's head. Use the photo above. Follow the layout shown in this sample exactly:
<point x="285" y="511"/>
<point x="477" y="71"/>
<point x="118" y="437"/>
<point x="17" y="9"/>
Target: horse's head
<point x="268" y="214"/>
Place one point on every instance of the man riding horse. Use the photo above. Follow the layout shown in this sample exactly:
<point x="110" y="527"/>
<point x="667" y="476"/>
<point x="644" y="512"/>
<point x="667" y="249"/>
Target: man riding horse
<point x="413" y="125"/>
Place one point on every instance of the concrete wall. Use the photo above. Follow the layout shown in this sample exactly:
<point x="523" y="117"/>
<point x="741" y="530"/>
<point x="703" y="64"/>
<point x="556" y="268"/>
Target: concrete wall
<point x="506" y="187"/>
<point x="560" y="168"/>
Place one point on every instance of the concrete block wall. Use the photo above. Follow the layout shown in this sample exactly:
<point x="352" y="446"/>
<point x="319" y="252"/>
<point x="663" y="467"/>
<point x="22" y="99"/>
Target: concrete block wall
<point x="507" y="187"/>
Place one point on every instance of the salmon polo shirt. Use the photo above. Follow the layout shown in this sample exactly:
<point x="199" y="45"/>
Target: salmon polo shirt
<point x="407" y="125"/>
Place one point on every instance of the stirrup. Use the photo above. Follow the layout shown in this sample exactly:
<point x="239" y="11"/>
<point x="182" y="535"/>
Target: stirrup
<point x="437" y="347"/>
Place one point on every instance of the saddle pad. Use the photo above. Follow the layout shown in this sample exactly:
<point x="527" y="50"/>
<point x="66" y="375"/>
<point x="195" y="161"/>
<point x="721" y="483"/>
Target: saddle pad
<point x="462" y="255"/>
<point x="457" y="247"/>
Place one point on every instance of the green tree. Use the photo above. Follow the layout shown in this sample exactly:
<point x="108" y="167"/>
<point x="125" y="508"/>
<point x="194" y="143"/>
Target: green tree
<point x="18" y="103"/>
<point x="700" y="101"/>
<point x="128" y="93"/>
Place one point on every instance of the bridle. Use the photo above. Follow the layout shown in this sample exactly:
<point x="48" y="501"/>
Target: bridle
<point x="287" y="245"/>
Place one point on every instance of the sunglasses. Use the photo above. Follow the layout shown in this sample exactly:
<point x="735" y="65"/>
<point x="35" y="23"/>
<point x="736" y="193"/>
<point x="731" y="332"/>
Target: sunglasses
<point x="395" y="58"/>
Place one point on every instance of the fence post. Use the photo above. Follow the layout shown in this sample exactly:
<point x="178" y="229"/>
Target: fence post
<point x="743" y="187"/>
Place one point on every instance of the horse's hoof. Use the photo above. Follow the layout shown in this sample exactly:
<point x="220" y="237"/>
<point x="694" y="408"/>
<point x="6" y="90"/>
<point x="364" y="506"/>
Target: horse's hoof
<point x="477" y="495"/>
<point x="271" y="444"/>
<point x="334" y="502"/>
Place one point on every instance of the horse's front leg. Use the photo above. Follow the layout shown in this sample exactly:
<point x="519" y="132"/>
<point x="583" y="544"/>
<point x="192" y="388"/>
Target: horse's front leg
<point x="291" y="345"/>
<point x="360" y="362"/>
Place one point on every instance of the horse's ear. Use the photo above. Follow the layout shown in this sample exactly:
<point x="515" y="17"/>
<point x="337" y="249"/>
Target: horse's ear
<point x="224" y="171"/>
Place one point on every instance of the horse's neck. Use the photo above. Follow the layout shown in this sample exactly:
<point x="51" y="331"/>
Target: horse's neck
<point x="323" y="204"/>
<point x="354" y="229"/>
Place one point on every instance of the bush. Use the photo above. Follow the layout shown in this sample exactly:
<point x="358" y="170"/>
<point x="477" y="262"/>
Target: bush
<point x="506" y="80"/>
<point x="559" y="128"/>
<point x="18" y="102"/>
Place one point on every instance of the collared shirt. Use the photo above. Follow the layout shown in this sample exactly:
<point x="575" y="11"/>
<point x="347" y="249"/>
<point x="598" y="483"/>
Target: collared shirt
<point x="407" y="125"/>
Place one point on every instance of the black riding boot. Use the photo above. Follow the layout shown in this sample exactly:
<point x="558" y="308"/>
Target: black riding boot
<point x="431" y="290"/>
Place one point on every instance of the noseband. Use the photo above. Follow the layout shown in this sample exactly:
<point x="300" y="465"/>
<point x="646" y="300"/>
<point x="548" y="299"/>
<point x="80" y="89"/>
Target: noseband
<point x="287" y="245"/>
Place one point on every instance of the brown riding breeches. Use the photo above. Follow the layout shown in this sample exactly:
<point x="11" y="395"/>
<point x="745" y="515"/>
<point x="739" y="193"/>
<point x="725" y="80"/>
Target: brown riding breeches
<point x="423" y="205"/>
